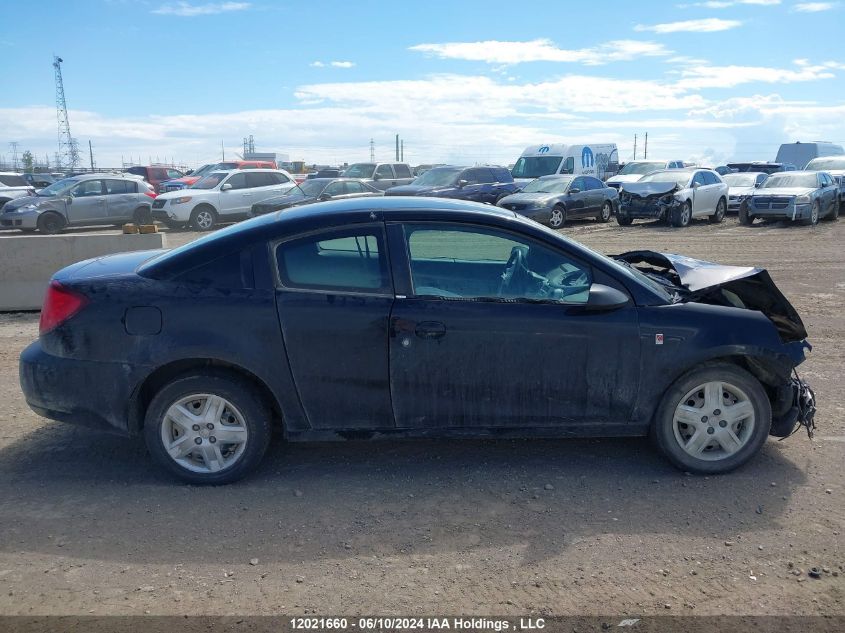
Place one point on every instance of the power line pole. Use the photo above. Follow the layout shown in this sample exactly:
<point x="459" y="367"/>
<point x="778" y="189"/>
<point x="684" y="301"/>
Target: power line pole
<point x="91" y="155"/>
<point x="402" y="150"/>
<point x="14" y="147"/>
<point x="397" y="148"/>
<point x="223" y="150"/>
<point x="372" y="151"/>
<point x="635" y="147"/>
<point x="68" y="149"/>
<point x="645" y="149"/>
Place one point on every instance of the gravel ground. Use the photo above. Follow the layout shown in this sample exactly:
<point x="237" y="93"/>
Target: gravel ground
<point x="471" y="527"/>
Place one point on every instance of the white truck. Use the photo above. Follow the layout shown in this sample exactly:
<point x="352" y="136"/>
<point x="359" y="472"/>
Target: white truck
<point x="600" y="160"/>
<point x="12" y="186"/>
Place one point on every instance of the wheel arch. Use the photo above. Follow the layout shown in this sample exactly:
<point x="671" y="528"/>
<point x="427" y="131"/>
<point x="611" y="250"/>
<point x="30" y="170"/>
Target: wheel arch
<point x="161" y="376"/>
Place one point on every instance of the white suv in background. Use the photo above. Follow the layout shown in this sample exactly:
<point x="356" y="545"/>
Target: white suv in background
<point x="221" y="196"/>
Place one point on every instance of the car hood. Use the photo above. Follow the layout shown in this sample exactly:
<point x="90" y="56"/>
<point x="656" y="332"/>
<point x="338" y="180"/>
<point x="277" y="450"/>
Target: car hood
<point x="419" y="190"/>
<point x="741" y="191"/>
<point x="735" y="286"/>
<point x="17" y="203"/>
<point x="784" y="191"/>
<point x="625" y="178"/>
<point x="535" y="197"/>
<point x="650" y="189"/>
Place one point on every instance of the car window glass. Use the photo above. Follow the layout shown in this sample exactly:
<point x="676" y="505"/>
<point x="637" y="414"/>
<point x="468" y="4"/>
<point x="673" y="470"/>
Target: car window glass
<point x="698" y="178"/>
<point x="238" y="181"/>
<point x="473" y="176"/>
<point x="354" y="187"/>
<point x="384" y="171"/>
<point x="334" y="189"/>
<point x="568" y="166"/>
<point x="350" y="260"/>
<point x="258" y="179"/>
<point x="455" y="263"/>
<point x="578" y="183"/>
<point x="761" y="178"/>
<point x="172" y="173"/>
<point x="87" y="188"/>
<point x="593" y="183"/>
<point x="278" y="178"/>
<point x="402" y="171"/>
<point x="119" y="186"/>
<point x="12" y="180"/>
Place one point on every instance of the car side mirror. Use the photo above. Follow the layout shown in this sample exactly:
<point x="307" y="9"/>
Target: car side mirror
<point x="376" y="177"/>
<point x="326" y="196"/>
<point x="462" y="183"/>
<point x="574" y="190"/>
<point x="225" y="187"/>
<point x="604" y="298"/>
<point x="696" y="185"/>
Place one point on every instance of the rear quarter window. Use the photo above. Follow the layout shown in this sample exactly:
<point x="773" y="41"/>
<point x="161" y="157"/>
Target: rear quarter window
<point x="224" y="272"/>
<point x="402" y="171"/>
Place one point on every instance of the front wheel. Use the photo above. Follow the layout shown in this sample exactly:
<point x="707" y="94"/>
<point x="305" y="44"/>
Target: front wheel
<point x="814" y="215"/>
<point x="719" y="215"/>
<point x="623" y="219"/>
<point x="50" y="223"/>
<point x="712" y="419"/>
<point x="680" y="217"/>
<point x="208" y="428"/>
<point x="605" y="213"/>
<point x="558" y="217"/>
<point x="745" y="218"/>
<point x="203" y="218"/>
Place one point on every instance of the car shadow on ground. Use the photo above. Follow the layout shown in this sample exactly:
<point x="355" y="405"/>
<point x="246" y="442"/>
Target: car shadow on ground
<point x="65" y="491"/>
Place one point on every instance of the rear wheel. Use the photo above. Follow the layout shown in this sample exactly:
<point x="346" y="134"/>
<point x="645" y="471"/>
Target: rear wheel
<point x="605" y="213"/>
<point x="558" y="217"/>
<point x="208" y="428"/>
<point x="143" y="215"/>
<point x="712" y="419"/>
<point x="203" y="218"/>
<point x="681" y="217"/>
<point x="50" y="223"/>
<point x="719" y="215"/>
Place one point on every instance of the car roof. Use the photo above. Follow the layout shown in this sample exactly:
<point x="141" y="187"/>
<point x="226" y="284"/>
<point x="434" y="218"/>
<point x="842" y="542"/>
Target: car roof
<point x="556" y="176"/>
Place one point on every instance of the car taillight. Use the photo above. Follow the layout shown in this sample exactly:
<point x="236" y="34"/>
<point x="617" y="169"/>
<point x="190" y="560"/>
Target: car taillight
<point x="151" y="194"/>
<point x="60" y="304"/>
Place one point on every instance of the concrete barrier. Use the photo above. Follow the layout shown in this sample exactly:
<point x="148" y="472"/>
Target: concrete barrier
<point x="28" y="261"/>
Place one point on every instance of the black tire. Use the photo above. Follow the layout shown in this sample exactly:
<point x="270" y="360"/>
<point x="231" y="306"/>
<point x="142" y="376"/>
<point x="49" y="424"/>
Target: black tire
<point x="50" y="223"/>
<point x="143" y="215"/>
<point x="681" y="216"/>
<point x="500" y="197"/>
<point x="200" y="218"/>
<point x="605" y="213"/>
<point x="557" y="222"/>
<point x="719" y="216"/>
<point x="745" y="218"/>
<point x="174" y="226"/>
<point x="663" y="427"/>
<point x="814" y="215"/>
<point x="242" y="394"/>
<point x="623" y="219"/>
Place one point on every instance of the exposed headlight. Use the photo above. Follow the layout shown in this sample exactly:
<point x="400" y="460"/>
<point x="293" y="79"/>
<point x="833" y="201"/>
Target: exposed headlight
<point x="802" y="200"/>
<point x="181" y="200"/>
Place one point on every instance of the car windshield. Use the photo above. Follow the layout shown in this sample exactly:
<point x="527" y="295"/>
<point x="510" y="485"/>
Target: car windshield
<point x="360" y="170"/>
<point x="786" y="179"/>
<point x="681" y="178"/>
<point x="309" y="188"/>
<point x="210" y="181"/>
<point x="640" y="168"/>
<point x="439" y="177"/>
<point x="535" y="166"/>
<point x="830" y="162"/>
<point x="740" y="180"/>
<point x="57" y="188"/>
<point x="547" y="185"/>
<point x="202" y="171"/>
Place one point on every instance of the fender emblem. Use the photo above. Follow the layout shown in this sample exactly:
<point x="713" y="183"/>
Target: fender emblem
<point x="658" y="339"/>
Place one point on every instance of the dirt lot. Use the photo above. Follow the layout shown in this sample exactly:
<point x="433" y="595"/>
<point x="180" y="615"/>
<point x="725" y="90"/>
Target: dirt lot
<point x="563" y="527"/>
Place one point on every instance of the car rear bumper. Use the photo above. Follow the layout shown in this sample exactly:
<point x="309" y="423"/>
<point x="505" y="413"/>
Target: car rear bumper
<point x="87" y="393"/>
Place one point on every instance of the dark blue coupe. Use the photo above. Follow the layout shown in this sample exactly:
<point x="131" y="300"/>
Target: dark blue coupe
<point x="380" y="317"/>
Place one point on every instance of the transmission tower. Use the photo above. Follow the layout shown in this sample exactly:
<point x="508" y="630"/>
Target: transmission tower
<point x="372" y="151"/>
<point x="68" y="154"/>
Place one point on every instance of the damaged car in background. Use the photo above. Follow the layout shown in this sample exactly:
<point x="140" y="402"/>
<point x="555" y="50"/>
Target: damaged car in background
<point x="417" y="317"/>
<point x="799" y="196"/>
<point x="675" y="196"/>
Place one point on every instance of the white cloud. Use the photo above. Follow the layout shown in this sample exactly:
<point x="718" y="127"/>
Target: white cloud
<point x="541" y="50"/>
<point x="708" y="76"/>
<point x="814" y="7"/>
<point x="704" y="25"/>
<point x="186" y="9"/>
<point x="343" y="64"/>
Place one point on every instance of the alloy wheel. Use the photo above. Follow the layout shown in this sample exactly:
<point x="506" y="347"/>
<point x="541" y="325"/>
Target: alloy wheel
<point x="556" y="220"/>
<point x="713" y="421"/>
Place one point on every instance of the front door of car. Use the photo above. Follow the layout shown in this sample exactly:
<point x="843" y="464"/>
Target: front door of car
<point x="478" y="187"/>
<point x="333" y="298"/>
<point x="383" y="177"/>
<point x="700" y="196"/>
<point x="576" y="198"/>
<point x="88" y="202"/>
<point x="829" y="193"/>
<point x="121" y="199"/>
<point x="495" y="334"/>
<point x="595" y="194"/>
<point x="236" y="198"/>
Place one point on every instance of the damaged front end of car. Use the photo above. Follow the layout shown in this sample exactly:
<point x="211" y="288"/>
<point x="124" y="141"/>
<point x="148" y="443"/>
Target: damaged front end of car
<point x="750" y="288"/>
<point x="655" y="200"/>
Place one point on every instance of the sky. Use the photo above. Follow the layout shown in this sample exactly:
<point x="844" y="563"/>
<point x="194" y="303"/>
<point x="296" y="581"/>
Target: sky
<point x="460" y="81"/>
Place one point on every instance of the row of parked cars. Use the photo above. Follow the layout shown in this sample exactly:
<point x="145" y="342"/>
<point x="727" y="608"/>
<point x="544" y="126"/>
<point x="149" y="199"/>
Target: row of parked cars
<point x="670" y="190"/>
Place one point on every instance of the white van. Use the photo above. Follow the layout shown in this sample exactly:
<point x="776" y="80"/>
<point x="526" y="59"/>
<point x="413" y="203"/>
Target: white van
<point x="600" y="160"/>
<point x="799" y="154"/>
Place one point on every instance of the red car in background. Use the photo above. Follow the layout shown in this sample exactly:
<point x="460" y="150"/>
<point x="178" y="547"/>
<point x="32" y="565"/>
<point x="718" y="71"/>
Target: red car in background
<point x="155" y="175"/>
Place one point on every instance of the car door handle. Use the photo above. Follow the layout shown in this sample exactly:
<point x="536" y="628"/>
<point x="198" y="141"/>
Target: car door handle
<point x="430" y="329"/>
